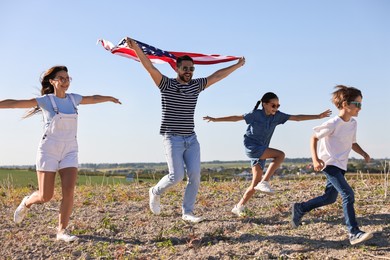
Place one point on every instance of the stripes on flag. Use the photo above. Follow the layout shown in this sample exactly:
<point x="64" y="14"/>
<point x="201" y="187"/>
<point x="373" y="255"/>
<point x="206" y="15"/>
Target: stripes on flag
<point x="160" y="56"/>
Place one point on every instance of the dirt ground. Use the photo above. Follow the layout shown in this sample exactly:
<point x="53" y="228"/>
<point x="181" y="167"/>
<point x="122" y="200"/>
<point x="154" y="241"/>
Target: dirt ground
<point x="114" y="222"/>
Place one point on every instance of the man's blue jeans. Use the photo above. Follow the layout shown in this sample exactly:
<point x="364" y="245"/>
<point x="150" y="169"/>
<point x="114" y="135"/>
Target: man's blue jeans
<point x="336" y="183"/>
<point x="182" y="153"/>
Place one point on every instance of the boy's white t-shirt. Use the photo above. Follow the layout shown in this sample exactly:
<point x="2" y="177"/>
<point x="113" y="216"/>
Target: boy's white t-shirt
<point x="335" y="141"/>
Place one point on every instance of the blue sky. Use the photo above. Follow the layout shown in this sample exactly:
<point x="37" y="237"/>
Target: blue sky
<point x="298" y="49"/>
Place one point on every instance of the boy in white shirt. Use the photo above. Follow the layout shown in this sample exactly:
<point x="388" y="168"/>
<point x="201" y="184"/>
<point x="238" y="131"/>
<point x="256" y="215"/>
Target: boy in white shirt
<point x="337" y="137"/>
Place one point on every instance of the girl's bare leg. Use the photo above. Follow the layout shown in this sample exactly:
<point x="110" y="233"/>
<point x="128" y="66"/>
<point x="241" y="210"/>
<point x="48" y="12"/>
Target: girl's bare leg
<point x="257" y="174"/>
<point x="278" y="158"/>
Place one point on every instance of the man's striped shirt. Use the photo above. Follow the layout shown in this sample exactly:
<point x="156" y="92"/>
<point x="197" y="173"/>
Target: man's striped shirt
<point x="178" y="105"/>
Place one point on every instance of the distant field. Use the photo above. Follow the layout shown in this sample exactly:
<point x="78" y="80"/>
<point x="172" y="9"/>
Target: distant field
<point x="163" y="166"/>
<point x="25" y="178"/>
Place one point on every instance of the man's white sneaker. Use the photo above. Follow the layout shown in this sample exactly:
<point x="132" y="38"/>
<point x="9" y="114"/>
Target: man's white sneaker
<point x="65" y="236"/>
<point x="238" y="210"/>
<point x="192" y="218"/>
<point x="21" y="211"/>
<point x="154" y="202"/>
<point x="265" y="188"/>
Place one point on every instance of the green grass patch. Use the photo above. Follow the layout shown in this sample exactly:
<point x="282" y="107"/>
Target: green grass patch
<point x="28" y="178"/>
<point x="18" y="178"/>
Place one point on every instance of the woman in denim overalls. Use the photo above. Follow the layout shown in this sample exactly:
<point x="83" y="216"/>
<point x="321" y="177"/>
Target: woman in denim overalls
<point x="58" y="149"/>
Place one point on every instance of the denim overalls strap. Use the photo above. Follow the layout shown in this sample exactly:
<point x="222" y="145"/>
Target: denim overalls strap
<point x="73" y="102"/>
<point x="53" y="103"/>
<point x="63" y="127"/>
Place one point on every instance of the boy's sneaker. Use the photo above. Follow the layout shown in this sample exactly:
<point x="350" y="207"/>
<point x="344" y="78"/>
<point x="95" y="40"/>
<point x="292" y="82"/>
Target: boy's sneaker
<point x="359" y="237"/>
<point x="296" y="215"/>
<point x="264" y="187"/>
<point x="190" y="217"/>
<point x="238" y="210"/>
<point x="65" y="236"/>
<point x="154" y="202"/>
<point x="21" y="211"/>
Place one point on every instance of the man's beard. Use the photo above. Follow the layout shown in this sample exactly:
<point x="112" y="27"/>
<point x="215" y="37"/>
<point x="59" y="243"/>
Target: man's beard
<point x="183" y="78"/>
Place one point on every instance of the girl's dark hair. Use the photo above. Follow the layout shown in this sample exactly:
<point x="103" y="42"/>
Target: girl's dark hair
<point x="265" y="99"/>
<point x="344" y="93"/>
<point x="47" y="87"/>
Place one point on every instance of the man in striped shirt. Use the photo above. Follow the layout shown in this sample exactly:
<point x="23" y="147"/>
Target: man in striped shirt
<point x="178" y="97"/>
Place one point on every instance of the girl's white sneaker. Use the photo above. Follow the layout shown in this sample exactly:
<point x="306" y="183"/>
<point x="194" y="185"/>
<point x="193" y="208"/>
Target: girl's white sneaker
<point x="65" y="236"/>
<point x="238" y="210"/>
<point x="265" y="188"/>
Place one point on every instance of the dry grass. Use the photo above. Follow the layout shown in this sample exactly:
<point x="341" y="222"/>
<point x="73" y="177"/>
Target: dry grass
<point x="114" y="222"/>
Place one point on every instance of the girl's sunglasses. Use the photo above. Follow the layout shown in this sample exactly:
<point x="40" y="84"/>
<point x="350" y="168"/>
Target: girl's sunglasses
<point x="356" y="103"/>
<point x="274" y="105"/>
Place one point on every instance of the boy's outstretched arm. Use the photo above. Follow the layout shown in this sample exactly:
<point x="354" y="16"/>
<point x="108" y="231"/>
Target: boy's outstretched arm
<point x="98" y="99"/>
<point x="356" y="148"/>
<point x="223" y="119"/>
<point x="326" y="113"/>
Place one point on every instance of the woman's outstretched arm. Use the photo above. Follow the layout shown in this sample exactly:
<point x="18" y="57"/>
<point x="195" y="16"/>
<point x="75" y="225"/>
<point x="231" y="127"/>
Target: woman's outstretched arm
<point x="22" y="103"/>
<point x="98" y="99"/>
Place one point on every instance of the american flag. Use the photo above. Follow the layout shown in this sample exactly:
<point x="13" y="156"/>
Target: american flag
<point x="160" y="56"/>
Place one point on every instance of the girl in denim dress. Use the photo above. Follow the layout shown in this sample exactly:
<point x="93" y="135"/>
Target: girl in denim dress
<point x="261" y="125"/>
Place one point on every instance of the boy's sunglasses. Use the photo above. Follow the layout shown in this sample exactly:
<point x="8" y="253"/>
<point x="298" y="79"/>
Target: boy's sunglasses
<point x="356" y="103"/>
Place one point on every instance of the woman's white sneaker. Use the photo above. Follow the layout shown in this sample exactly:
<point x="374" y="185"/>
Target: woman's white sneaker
<point x="21" y="211"/>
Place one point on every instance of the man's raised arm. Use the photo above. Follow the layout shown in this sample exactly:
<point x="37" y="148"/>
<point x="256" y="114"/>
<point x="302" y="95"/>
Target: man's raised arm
<point x="153" y="71"/>
<point x="222" y="73"/>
